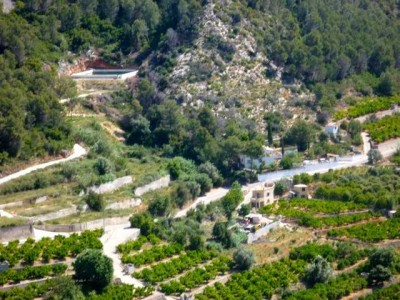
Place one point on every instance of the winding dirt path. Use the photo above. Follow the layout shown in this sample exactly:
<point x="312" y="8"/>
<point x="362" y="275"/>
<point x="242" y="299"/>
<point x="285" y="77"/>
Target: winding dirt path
<point x="77" y="152"/>
<point x="94" y="93"/>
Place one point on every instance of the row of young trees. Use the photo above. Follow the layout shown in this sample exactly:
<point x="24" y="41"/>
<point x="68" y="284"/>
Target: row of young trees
<point x="370" y="232"/>
<point x="384" y="129"/>
<point x="163" y="271"/>
<point x="129" y="246"/>
<point x="197" y="277"/>
<point x="46" y="249"/>
<point x="385" y="293"/>
<point x="30" y="273"/>
<point x="258" y="283"/>
<point x="295" y="208"/>
<point x="153" y="254"/>
<point x="309" y="220"/>
<point x="367" y="106"/>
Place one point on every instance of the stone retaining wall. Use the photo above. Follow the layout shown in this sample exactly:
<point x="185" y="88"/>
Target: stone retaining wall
<point x="112" y="186"/>
<point x="155" y="185"/>
<point x="83" y="226"/>
<point x="125" y="204"/>
<point x="55" y="215"/>
<point x="252" y="237"/>
<point x="15" y="233"/>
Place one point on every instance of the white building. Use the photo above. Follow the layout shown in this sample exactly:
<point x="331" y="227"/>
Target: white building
<point x="270" y="155"/>
<point x="262" y="195"/>
<point x="300" y="191"/>
<point x="332" y="129"/>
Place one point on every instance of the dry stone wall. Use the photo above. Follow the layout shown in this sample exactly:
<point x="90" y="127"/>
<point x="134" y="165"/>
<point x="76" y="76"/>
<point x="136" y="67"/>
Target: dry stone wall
<point x="112" y="186"/>
<point x="101" y="223"/>
<point x="155" y="185"/>
<point x="125" y="204"/>
<point x="55" y="215"/>
<point x="15" y="233"/>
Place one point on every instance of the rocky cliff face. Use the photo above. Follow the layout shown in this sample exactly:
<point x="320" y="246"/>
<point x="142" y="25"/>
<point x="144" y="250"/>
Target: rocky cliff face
<point x="225" y="69"/>
<point x="90" y="60"/>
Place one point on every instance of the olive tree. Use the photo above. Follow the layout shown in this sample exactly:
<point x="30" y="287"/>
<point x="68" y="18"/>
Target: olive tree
<point x="319" y="271"/>
<point x="243" y="259"/>
<point x="374" y="156"/>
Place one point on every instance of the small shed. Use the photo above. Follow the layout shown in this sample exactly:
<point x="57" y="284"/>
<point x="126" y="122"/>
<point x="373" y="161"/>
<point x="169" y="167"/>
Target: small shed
<point x="332" y="129"/>
<point x="300" y="191"/>
<point x="4" y="266"/>
<point x="129" y="269"/>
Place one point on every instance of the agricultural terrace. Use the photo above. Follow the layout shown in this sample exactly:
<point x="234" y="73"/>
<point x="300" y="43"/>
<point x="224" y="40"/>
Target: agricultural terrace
<point x="282" y="277"/>
<point x="367" y="106"/>
<point x="387" y="293"/>
<point x="62" y="185"/>
<point x="167" y="270"/>
<point x="44" y="258"/>
<point x="38" y="290"/>
<point x="384" y="129"/>
<point x="370" y="232"/>
<point x="48" y="249"/>
<point x="320" y="213"/>
<point x="375" y="187"/>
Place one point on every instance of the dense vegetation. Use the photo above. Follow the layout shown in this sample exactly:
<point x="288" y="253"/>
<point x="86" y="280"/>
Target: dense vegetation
<point x="375" y="187"/>
<point x="344" y="254"/>
<point x="316" y="43"/>
<point x="37" y="34"/>
<point x="384" y="129"/>
<point x="94" y="269"/>
<point x="328" y="41"/>
<point x="258" y="283"/>
<point x="197" y="135"/>
<point x="31" y="121"/>
<point x="46" y="249"/>
<point x="336" y="288"/>
<point x="370" y="232"/>
<point x="387" y="293"/>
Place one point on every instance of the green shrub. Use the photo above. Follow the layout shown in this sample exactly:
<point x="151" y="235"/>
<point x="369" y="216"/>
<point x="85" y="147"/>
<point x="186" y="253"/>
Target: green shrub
<point x="95" y="201"/>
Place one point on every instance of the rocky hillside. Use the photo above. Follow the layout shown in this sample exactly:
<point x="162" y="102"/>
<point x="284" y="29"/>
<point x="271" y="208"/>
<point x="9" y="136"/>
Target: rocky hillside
<point x="226" y="70"/>
<point x="8" y="5"/>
